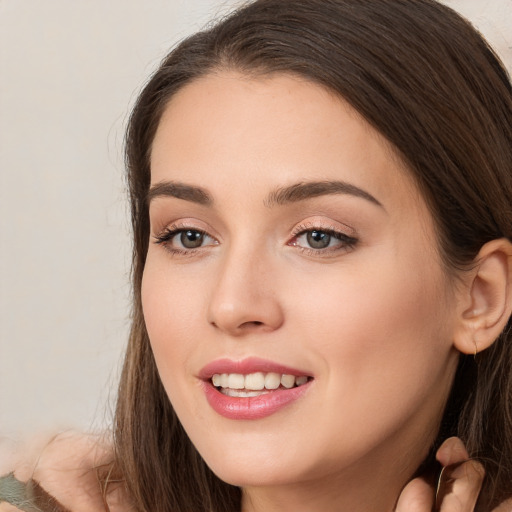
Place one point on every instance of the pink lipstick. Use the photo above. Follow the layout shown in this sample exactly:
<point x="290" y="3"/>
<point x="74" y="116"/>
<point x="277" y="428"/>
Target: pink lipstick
<point x="252" y="388"/>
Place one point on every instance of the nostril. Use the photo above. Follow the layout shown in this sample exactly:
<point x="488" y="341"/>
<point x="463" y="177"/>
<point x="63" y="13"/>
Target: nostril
<point x="255" y="323"/>
<point x="252" y="324"/>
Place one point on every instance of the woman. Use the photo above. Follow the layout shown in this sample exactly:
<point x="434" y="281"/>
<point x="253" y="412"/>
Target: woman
<point x="321" y="209"/>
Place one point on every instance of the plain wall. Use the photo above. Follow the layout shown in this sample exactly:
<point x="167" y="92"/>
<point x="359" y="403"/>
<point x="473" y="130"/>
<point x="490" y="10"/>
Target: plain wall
<point x="69" y="72"/>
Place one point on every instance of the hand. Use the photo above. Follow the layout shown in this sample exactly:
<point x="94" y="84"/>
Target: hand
<point x="459" y="484"/>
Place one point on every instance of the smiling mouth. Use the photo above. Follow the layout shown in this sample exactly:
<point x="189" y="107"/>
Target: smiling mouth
<point x="255" y="384"/>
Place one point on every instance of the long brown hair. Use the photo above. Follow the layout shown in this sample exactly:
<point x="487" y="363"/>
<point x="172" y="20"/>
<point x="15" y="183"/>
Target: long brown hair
<point x="428" y="82"/>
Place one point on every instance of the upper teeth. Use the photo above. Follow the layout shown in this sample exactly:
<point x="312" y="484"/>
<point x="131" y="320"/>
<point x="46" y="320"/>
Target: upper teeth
<point x="257" y="381"/>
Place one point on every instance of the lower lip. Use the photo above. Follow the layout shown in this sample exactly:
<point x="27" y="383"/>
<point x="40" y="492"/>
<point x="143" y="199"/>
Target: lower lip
<point x="255" y="407"/>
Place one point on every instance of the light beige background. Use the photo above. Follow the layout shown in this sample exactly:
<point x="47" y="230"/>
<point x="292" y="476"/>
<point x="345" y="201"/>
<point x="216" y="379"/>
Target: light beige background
<point x="68" y="73"/>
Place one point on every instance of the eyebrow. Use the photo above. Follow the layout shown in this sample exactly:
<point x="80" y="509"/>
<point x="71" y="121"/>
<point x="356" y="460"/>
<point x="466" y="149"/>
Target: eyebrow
<point x="307" y="190"/>
<point x="281" y="196"/>
<point x="180" y="191"/>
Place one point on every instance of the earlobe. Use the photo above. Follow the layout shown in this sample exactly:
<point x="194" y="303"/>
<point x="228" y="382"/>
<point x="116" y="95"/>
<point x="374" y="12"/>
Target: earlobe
<point x="488" y="303"/>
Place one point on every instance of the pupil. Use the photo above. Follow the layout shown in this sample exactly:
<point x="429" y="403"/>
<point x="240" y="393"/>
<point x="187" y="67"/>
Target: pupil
<point x="191" y="239"/>
<point x="318" y="239"/>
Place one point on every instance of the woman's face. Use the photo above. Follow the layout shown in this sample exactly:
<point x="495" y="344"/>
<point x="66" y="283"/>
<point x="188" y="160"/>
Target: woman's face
<point x="287" y="238"/>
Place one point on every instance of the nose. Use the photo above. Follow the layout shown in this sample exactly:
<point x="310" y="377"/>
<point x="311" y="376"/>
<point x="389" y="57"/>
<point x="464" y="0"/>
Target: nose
<point x="244" y="298"/>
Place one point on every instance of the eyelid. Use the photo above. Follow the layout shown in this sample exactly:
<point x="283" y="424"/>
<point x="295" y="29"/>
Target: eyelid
<point x="159" y="225"/>
<point x="160" y="221"/>
<point x="167" y="234"/>
<point x="347" y="242"/>
<point x="321" y="224"/>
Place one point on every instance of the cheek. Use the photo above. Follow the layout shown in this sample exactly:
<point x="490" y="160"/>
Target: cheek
<point x="171" y="310"/>
<point x="171" y="307"/>
<point x="382" y="332"/>
<point x="369" y="304"/>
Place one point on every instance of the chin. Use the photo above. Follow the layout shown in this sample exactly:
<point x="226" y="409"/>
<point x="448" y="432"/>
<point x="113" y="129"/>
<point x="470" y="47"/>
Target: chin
<point x="251" y="462"/>
<point x="252" y="475"/>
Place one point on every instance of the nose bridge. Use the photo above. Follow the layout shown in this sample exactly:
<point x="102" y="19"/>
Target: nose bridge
<point x="244" y="296"/>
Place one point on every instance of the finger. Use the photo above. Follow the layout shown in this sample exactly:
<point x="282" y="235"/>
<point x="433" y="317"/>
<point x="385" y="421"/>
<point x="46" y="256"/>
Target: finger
<point x="5" y="507"/>
<point x="452" y="451"/>
<point x="461" y="479"/>
<point x="417" y="496"/>
<point x="460" y="486"/>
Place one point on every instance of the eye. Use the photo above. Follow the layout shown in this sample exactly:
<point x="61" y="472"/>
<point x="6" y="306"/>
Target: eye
<point x="184" y="240"/>
<point x="191" y="239"/>
<point x="318" y="239"/>
<point x="321" y="241"/>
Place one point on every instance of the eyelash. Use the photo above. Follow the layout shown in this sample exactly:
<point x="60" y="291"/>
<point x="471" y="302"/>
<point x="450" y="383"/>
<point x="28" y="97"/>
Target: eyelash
<point x="347" y="242"/>
<point x="169" y="233"/>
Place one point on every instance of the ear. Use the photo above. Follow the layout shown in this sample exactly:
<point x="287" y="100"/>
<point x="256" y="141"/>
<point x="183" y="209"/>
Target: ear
<point x="486" y="303"/>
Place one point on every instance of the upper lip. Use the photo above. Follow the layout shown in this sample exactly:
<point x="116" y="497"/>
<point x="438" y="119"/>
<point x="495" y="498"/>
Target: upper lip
<point x="246" y="366"/>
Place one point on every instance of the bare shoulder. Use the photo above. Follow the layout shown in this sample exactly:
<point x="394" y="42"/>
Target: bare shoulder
<point x="70" y="467"/>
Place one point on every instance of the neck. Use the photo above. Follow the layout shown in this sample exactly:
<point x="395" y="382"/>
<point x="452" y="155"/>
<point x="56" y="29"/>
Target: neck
<point x="372" y="485"/>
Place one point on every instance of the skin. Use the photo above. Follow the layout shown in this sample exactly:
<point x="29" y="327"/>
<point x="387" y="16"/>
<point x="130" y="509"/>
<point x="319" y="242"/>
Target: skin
<point x="372" y="322"/>
<point x="65" y="466"/>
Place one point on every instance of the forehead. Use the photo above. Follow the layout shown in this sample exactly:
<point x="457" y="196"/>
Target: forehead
<point x="226" y="129"/>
